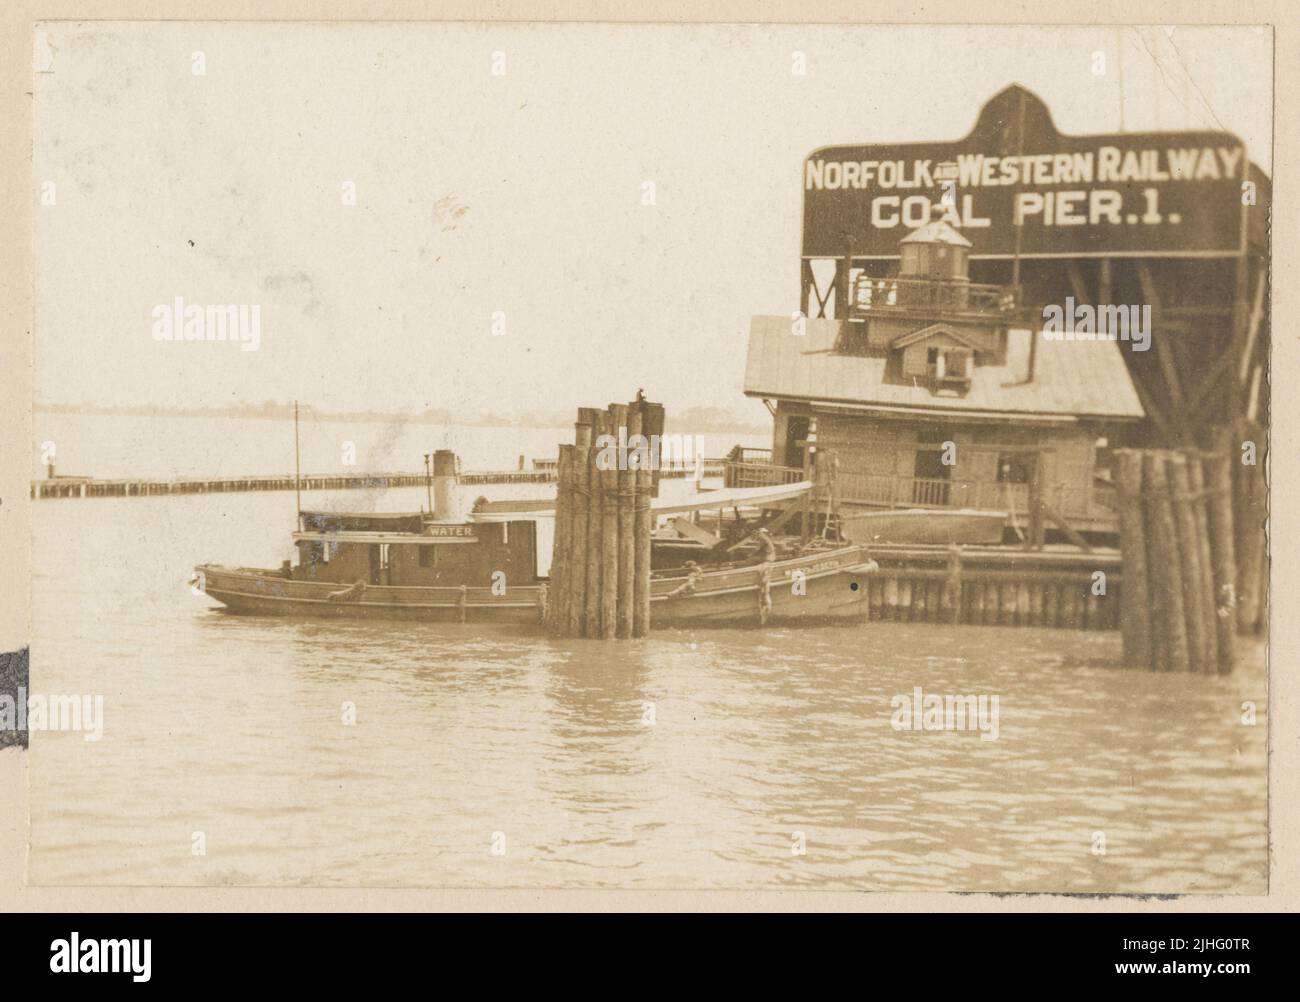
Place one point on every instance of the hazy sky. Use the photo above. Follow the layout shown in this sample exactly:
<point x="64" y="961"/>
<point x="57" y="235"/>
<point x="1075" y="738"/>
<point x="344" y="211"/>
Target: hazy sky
<point x="520" y="193"/>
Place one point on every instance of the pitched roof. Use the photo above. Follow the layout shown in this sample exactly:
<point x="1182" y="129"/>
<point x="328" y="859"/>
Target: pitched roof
<point x="937" y="232"/>
<point x="904" y="340"/>
<point x="1072" y="378"/>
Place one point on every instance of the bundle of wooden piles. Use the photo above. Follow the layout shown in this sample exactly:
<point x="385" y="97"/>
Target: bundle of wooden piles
<point x="600" y="566"/>
<point x="1251" y="508"/>
<point x="1179" y="565"/>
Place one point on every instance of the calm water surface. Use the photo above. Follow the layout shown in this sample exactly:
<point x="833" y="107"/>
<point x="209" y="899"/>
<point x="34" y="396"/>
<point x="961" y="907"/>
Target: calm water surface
<point x="233" y="727"/>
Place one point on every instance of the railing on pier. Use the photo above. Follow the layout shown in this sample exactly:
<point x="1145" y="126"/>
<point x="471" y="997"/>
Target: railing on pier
<point x="749" y="454"/>
<point x="891" y="490"/>
<point x="760" y="474"/>
<point x="1095" y="503"/>
<point x="952" y="296"/>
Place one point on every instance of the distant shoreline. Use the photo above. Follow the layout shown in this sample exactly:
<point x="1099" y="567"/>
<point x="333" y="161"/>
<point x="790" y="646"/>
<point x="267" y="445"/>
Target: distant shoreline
<point x="710" y="424"/>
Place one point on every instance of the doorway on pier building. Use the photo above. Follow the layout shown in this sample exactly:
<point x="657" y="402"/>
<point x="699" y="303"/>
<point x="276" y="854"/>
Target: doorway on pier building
<point x="931" y="485"/>
<point x="796" y="435"/>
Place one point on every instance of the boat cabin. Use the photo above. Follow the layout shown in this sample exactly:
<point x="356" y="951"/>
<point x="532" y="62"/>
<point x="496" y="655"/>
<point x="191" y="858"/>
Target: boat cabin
<point x="416" y="550"/>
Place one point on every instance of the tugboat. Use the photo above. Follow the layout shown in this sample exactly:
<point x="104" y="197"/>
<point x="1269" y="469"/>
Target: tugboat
<point x="493" y="566"/>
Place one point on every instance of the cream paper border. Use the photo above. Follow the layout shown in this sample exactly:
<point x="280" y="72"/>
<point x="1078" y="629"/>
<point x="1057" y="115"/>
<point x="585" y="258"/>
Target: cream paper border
<point x="19" y="193"/>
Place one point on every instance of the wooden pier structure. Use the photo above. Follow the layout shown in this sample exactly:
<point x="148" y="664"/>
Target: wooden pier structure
<point x="1056" y="587"/>
<point x="89" y="487"/>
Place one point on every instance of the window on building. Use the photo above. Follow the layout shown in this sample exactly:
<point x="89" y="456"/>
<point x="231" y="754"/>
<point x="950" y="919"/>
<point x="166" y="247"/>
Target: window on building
<point x="1103" y="458"/>
<point x="956" y="364"/>
<point x="1015" y="467"/>
<point x="427" y="555"/>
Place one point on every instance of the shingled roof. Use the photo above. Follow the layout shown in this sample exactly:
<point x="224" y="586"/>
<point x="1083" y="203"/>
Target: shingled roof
<point x="1071" y="379"/>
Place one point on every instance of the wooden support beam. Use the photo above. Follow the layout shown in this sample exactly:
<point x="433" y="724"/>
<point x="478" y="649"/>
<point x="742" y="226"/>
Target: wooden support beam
<point x="1077" y="285"/>
<point x="1252" y="328"/>
<point x="1037" y="530"/>
<point x="1154" y="412"/>
<point x="772" y="524"/>
<point x="1069" y="530"/>
<point x="685" y="527"/>
<point x="1164" y="351"/>
<point x="1217" y="369"/>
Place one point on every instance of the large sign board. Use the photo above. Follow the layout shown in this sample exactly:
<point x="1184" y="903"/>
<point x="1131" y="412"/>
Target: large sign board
<point x="1016" y="185"/>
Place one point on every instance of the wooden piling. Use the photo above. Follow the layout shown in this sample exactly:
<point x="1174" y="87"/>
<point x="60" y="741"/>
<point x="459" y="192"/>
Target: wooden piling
<point x="594" y="600"/>
<point x="1223" y="557"/>
<point x="1050" y="610"/>
<point x="643" y="524"/>
<point x="652" y="427"/>
<point x="584" y="435"/>
<point x="609" y="548"/>
<point x="576" y="576"/>
<point x="1135" y="621"/>
<point x="1168" y="589"/>
<point x="1206" y="608"/>
<point x="557" y="609"/>
<point x="1251" y="512"/>
<point x="627" y="523"/>
<point x="1189" y="556"/>
<point x="952" y="591"/>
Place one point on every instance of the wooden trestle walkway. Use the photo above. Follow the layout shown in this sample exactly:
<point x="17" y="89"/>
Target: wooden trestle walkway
<point x="88" y="487"/>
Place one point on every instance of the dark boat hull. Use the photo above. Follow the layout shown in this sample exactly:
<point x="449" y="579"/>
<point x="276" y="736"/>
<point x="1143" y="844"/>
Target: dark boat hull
<point x="819" y="586"/>
<point x="924" y="525"/>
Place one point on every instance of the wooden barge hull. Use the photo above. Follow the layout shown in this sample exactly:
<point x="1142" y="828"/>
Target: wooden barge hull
<point x="965" y="526"/>
<point x="261" y="592"/>
<point x="819" y="586"/>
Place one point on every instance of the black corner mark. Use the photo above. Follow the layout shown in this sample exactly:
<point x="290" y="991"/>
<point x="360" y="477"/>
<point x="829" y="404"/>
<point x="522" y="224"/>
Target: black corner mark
<point x="13" y="687"/>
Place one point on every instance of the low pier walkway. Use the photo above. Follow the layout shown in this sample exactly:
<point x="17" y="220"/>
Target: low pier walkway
<point x="1057" y="586"/>
<point x="90" y="487"/>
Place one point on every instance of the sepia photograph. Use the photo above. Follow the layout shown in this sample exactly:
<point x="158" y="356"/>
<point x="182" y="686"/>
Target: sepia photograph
<point x="584" y="456"/>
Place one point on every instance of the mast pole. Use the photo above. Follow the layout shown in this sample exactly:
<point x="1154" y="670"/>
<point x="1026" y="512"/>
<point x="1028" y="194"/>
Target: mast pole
<point x="297" y="467"/>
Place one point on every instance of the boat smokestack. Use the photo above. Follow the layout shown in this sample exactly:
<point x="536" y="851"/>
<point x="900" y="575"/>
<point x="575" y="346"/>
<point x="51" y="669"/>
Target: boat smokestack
<point x="445" y="505"/>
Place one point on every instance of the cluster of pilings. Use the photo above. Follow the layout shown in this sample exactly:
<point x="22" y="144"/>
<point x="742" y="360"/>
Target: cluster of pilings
<point x="600" y="567"/>
<point x="1180" y="566"/>
<point x="1246" y="444"/>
